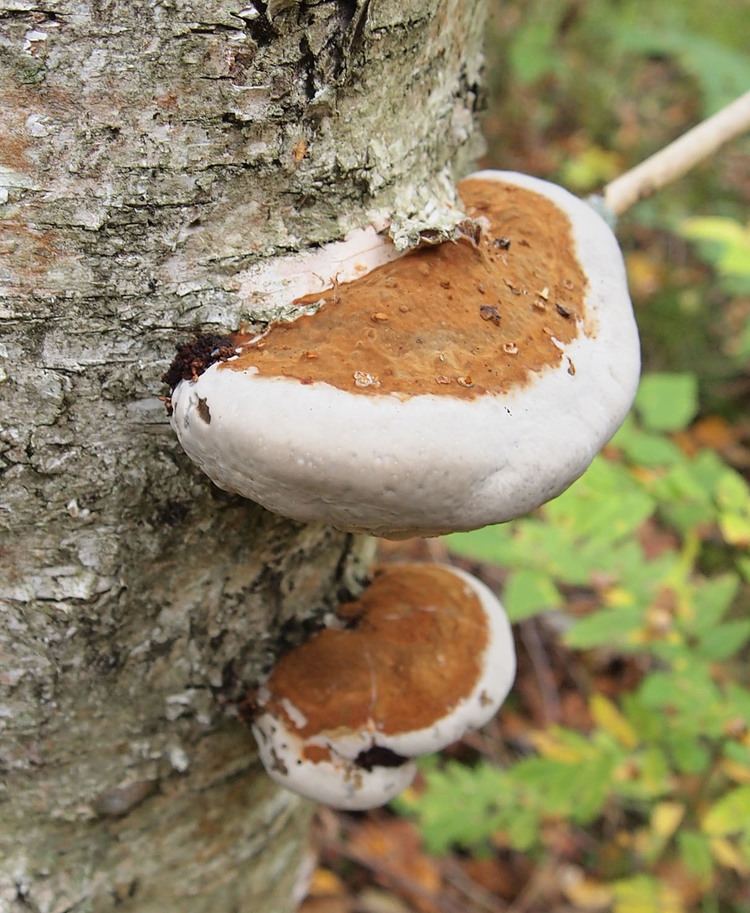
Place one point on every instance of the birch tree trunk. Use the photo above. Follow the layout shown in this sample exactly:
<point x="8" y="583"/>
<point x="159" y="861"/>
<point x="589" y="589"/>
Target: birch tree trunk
<point x="150" y="153"/>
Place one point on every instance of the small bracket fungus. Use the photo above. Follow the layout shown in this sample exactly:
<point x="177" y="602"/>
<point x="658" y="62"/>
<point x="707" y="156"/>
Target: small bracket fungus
<point x="425" y="654"/>
<point x="452" y="387"/>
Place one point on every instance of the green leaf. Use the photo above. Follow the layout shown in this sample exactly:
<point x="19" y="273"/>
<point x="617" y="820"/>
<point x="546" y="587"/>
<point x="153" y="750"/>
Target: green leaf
<point x="690" y="756"/>
<point x="532" y="53"/>
<point x="736" y="752"/>
<point x="735" y="528"/>
<point x="523" y="829"/>
<point x="606" y="627"/>
<point x="722" y="73"/>
<point x="741" y="351"/>
<point x="644" y="448"/>
<point x="577" y="789"/>
<point x="682" y="483"/>
<point x="529" y="592"/>
<point x="549" y="549"/>
<point x="647" y="721"/>
<point x="718" y="230"/>
<point x="737" y="704"/>
<point x="732" y="492"/>
<point x="605" y="504"/>
<point x="592" y="167"/>
<point x="489" y="544"/>
<point x="690" y="698"/>
<point x="724" y="641"/>
<point x="730" y="815"/>
<point x="725" y="243"/>
<point x="667" y="402"/>
<point x="744" y="565"/>
<point x="655" y="772"/>
<point x="709" y="469"/>
<point x="711" y="601"/>
<point x="695" y="852"/>
<point x="640" y="894"/>
<point x="685" y="491"/>
<point x="483" y="794"/>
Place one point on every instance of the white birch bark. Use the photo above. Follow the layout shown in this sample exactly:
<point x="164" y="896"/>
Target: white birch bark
<point x="150" y="152"/>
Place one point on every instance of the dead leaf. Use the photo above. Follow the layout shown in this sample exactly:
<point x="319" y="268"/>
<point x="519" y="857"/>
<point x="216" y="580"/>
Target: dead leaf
<point x="326" y="905"/>
<point x="586" y="893"/>
<point x="645" y="274"/>
<point x="325" y="883"/>
<point x="395" y="847"/>
<point x="496" y="875"/>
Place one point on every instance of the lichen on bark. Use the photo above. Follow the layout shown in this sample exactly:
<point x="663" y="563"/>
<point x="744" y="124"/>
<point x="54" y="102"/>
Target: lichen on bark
<point x="150" y="154"/>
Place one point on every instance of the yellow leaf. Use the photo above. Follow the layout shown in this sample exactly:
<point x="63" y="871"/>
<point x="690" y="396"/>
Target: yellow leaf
<point x="624" y="839"/>
<point x="641" y="841"/>
<point x="735" y="528"/>
<point x="643" y="895"/>
<point x="645" y="274"/>
<point x="735" y="771"/>
<point x="643" y="475"/>
<point x="590" y="167"/>
<point x="618" y="596"/>
<point x="728" y="814"/>
<point x="550" y="747"/>
<point x="325" y="883"/>
<point x="409" y="795"/>
<point x="583" y="892"/>
<point x="727" y="854"/>
<point x="609" y="718"/>
<point x="681" y="664"/>
<point x="666" y="818"/>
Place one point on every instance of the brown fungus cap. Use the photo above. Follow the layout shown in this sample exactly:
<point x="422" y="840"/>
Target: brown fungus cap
<point x="455" y="319"/>
<point x="423" y="655"/>
<point x="419" y="630"/>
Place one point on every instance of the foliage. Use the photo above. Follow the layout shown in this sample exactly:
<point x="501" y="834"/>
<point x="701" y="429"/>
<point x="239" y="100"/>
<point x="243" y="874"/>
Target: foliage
<point x="726" y="244"/>
<point x="721" y="73"/>
<point x="669" y="759"/>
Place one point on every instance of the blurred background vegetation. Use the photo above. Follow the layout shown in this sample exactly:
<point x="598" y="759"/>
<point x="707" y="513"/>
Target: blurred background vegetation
<point x="617" y="776"/>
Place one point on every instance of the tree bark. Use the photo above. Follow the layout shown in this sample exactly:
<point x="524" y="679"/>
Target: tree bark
<point x="150" y="154"/>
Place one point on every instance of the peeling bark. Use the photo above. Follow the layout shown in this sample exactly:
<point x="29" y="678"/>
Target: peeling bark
<point x="150" y="154"/>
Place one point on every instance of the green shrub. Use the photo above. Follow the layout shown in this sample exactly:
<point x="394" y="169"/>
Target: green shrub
<point x="672" y="756"/>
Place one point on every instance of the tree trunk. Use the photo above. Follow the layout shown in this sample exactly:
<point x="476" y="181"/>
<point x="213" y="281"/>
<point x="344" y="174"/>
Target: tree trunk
<point x="150" y="153"/>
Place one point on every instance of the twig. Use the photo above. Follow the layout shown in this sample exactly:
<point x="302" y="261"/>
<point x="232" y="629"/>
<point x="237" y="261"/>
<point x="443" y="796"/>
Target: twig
<point x="541" y="666"/>
<point x="543" y="877"/>
<point x="485" y="745"/>
<point x="678" y="157"/>
<point x="479" y="897"/>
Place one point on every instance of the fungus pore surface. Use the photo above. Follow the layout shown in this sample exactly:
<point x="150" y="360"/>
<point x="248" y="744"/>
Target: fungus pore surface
<point x="459" y="319"/>
<point x="414" y="652"/>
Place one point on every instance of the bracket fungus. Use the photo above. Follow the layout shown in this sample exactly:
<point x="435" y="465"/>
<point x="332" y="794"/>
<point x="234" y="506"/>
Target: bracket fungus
<point x="424" y="654"/>
<point x="452" y="387"/>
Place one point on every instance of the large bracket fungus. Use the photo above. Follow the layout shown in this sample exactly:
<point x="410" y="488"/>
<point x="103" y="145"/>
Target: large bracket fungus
<point x="423" y="655"/>
<point x="452" y="387"/>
